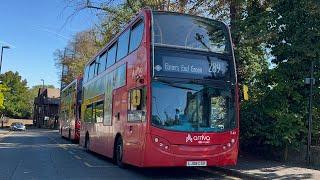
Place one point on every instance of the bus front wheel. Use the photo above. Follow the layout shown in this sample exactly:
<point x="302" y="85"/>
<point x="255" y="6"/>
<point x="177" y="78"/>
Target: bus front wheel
<point x="119" y="153"/>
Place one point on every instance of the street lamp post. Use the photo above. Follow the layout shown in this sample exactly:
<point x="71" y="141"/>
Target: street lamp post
<point x="2" y="47"/>
<point x="42" y="105"/>
<point x="310" y="81"/>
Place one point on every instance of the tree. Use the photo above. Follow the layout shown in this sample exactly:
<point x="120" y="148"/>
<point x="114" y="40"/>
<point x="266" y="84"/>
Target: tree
<point x="278" y="114"/>
<point x="72" y="59"/>
<point x="16" y="102"/>
<point x="3" y="88"/>
<point x="297" y="43"/>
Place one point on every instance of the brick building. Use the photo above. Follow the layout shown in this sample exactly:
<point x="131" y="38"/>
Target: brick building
<point x="46" y="108"/>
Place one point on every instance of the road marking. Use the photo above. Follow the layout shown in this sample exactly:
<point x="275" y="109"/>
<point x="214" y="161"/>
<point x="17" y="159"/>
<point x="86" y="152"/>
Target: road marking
<point x="87" y="164"/>
<point x="93" y="166"/>
<point x="77" y="157"/>
<point x="70" y="152"/>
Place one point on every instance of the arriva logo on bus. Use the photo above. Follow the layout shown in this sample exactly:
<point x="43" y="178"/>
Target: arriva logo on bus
<point x="200" y="139"/>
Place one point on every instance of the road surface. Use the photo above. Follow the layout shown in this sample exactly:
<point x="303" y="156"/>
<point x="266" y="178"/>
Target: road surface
<point x="42" y="154"/>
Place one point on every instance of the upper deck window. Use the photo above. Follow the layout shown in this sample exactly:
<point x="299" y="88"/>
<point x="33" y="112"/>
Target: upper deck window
<point x="112" y="55"/>
<point x="92" y="70"/>
<point x="102" y="62"/>
<point x="191" y="32"/>
<point x="86" y="74"/>
<point x="123" y="45"/>
<point x="136" y="35"/>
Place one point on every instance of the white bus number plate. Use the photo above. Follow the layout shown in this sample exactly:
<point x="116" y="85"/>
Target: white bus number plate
<point x="196" y="163"/>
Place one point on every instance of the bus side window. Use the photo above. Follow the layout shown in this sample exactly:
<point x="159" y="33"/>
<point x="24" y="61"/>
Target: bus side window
<point x="99" y="111"/>
<point x="92" y="70"/>
<point x="136" y="35"/>
<point x="86" y="74"/>
<point x="112" y="53"/>
<point x="137" y="105"/>
<point x="123" y="45"/>
<point x="102" y="62"/>
<point x="88" y="114"/>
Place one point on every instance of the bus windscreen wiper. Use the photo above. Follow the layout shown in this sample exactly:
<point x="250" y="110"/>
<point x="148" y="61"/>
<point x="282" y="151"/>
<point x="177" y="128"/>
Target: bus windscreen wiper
<point x="199" y="38"/>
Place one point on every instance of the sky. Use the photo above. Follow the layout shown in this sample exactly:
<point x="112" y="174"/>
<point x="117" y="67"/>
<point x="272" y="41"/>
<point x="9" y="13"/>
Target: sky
<point x="34" y="29"/>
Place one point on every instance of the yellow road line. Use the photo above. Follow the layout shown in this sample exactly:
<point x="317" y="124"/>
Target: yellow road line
<point x="93" y="166"/>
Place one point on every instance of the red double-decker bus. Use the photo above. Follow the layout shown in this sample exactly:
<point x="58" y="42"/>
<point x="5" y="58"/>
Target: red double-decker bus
<point x="162" y="93"/>
<point x="70" y="110"/>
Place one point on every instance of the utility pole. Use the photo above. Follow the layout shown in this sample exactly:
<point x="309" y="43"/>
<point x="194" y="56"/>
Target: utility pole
<point x="2" y="47"/>
<point x="42" y="100"/>
<point x="310" y="81"/>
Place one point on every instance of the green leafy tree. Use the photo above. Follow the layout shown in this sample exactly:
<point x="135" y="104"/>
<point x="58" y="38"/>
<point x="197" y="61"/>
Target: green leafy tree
<point x="3" y="89"/>
<point x="16" y="98"/>
<point x="278" y="113"/>
<point x="297" y="43"/>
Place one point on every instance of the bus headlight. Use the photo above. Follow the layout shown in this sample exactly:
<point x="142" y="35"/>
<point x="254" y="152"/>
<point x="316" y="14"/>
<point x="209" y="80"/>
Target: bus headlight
<point x="161" y="143"/>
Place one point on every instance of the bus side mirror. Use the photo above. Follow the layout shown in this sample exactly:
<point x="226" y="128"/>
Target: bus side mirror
<point x="136" y="97"/>
<point x="245" y="92"/>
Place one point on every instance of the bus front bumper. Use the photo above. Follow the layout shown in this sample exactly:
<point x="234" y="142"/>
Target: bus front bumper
<point x="190" y="155"/>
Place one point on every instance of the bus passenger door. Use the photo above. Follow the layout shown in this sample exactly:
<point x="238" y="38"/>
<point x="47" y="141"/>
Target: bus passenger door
<point x="134" y="125"/>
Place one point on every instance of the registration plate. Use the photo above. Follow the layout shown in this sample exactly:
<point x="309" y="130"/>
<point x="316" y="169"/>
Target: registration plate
<point x="196" y="163"/>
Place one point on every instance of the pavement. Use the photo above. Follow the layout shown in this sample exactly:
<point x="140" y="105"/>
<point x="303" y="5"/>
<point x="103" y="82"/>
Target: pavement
<point x="255" y="168"/>
<point x="3" y="132"/>
<point x="43" y="154"/>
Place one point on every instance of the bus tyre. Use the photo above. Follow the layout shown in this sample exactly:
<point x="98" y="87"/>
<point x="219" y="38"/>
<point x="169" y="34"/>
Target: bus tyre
<point x="87" y="144"/>
<point x="119" y="153"/>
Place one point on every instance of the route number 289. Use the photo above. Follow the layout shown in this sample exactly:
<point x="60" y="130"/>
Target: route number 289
<point x="214" y="67"/>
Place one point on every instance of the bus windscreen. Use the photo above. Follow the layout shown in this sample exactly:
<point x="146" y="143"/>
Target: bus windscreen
<point x="190" y="32"/>
<point x="192" y="107"/>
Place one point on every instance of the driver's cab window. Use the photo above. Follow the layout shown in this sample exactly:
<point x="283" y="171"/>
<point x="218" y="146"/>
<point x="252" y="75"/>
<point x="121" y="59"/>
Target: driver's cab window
<point x="137" y="104"/>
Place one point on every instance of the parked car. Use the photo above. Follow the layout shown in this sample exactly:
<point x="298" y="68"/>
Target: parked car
<point x="17" y="127"/>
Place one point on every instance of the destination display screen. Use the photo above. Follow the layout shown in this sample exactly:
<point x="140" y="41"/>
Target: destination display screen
<point x="190" y="66"/>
